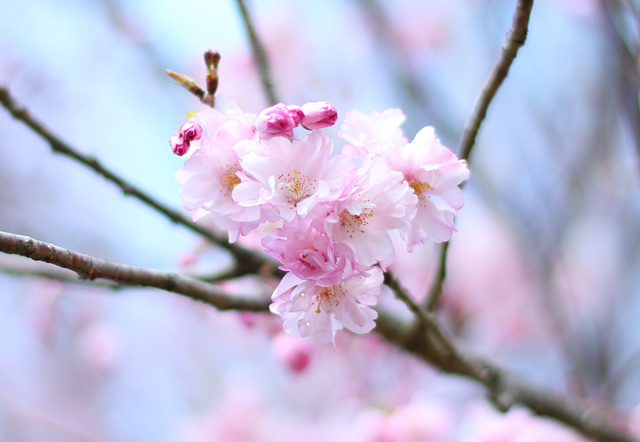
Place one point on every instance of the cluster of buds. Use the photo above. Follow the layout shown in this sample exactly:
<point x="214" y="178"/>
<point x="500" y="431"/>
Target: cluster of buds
<point x="334" y="213"/>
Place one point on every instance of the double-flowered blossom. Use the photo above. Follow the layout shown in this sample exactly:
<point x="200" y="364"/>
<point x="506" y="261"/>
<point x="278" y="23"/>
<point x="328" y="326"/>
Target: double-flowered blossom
<point x="336" y="211"/>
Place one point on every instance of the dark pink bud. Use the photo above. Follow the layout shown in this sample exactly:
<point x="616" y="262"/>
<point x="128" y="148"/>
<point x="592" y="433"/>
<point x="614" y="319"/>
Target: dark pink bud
<point x="296" y="113"/>
<point x="191" y="130"/>
<point x="178" y="144"/>
<point x="318" y="114"/>
<point x="275" y="121"/>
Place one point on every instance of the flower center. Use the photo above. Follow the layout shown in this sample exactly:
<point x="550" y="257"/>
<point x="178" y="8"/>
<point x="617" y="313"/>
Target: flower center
<point x="296" y="187"/>
<point x="330" y="295"/>
<point x="229" y="179"/>
<point x="420" y="188"/>
<point x="355" y="223"/>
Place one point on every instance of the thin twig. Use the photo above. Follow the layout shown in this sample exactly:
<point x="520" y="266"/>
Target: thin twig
<point x="90" y="268"/>
<point x="428" y="342"/>
<point x="433" y="297"/>
<point x="259" y="55"/>
<point x="247" y="260"/>
<point x="515" y="39"/>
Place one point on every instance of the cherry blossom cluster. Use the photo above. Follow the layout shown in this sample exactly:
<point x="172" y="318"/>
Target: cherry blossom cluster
<point x="334" y="212"/>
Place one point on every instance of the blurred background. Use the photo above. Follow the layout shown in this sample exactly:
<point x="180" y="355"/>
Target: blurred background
<point x="543" y="273"/>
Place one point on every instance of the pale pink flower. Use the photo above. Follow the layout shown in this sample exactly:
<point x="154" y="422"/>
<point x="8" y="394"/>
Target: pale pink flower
<point x="318" y="115"/>
<point x="208" y="179"/>
<point x="293" y="176"/>
<point x="310" y="309"/>
<point x="226" y="117"/>
<point x="277" y="121"/>
<point x="309" y="253"/>
<point x="434" y="174"/>
<point x="377" y="200"/>
<point x="367" y="135"/>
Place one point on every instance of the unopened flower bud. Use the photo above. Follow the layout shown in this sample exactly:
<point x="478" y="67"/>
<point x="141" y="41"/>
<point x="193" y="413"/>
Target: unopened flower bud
<point x="296" y="113"/>
<point x="211" y="59"/>
<point x="190" y="130"/>
<point x="276" y="121"/>
<point x="178" y="144"/>
<point x="318" y="114"/>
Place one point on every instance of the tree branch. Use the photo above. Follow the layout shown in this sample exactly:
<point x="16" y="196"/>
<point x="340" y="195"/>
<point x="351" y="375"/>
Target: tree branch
<point x="515" y="39"/>
<point x="427" y="340"/>
<point x="247" y="261"/>
<point x="259" y="55"/>
<point x="90" y="268"/>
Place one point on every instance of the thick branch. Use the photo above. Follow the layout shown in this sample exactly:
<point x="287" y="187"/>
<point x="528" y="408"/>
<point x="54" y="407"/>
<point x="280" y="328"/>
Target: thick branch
<point x="247" y="260"/>
<point x="427" y="340"/>
<point x="259" y="54"/>
<point x="90" y="268"/>
<point x="515" y="39"/>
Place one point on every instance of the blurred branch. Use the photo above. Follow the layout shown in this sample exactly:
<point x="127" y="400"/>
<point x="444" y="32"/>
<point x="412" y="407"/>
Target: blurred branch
<point x="433" y="297"/>
<point x="188" y="84"/>
<point x="259" y="55"/>
<point x="628" y="74"/>
<point x="90" y="268"/>
<point x="396" y="60"/>
<point x="515" y="39"/>
<point x="246" y="260"/>
<point x="427" y="340"/>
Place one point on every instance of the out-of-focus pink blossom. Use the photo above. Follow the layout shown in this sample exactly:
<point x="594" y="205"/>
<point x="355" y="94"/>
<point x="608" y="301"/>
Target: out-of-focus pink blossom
<point x="318" y="114"/>
<point x="277" y="121"/>
<point x="98" y="346"/>
<point x="367" y="135"/>
<point x="293" y="351"/>
<point x="414" y="422"/>
<point x="517" y="425"/>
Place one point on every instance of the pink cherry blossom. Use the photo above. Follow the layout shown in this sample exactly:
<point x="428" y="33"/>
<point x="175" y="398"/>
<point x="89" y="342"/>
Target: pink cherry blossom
<point x="309" y="253"/>
<point x="277" y="121"/>
<point x="310" y="309"/>
<point x="318" y="115"/>
<point x="433" y="173"/>
<point x="208" y="179"/>
<point x="377" y="201"/>
<point x="367" y="135"/>
<point x="226" y="117"/>
<point x="293" y="176"/>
